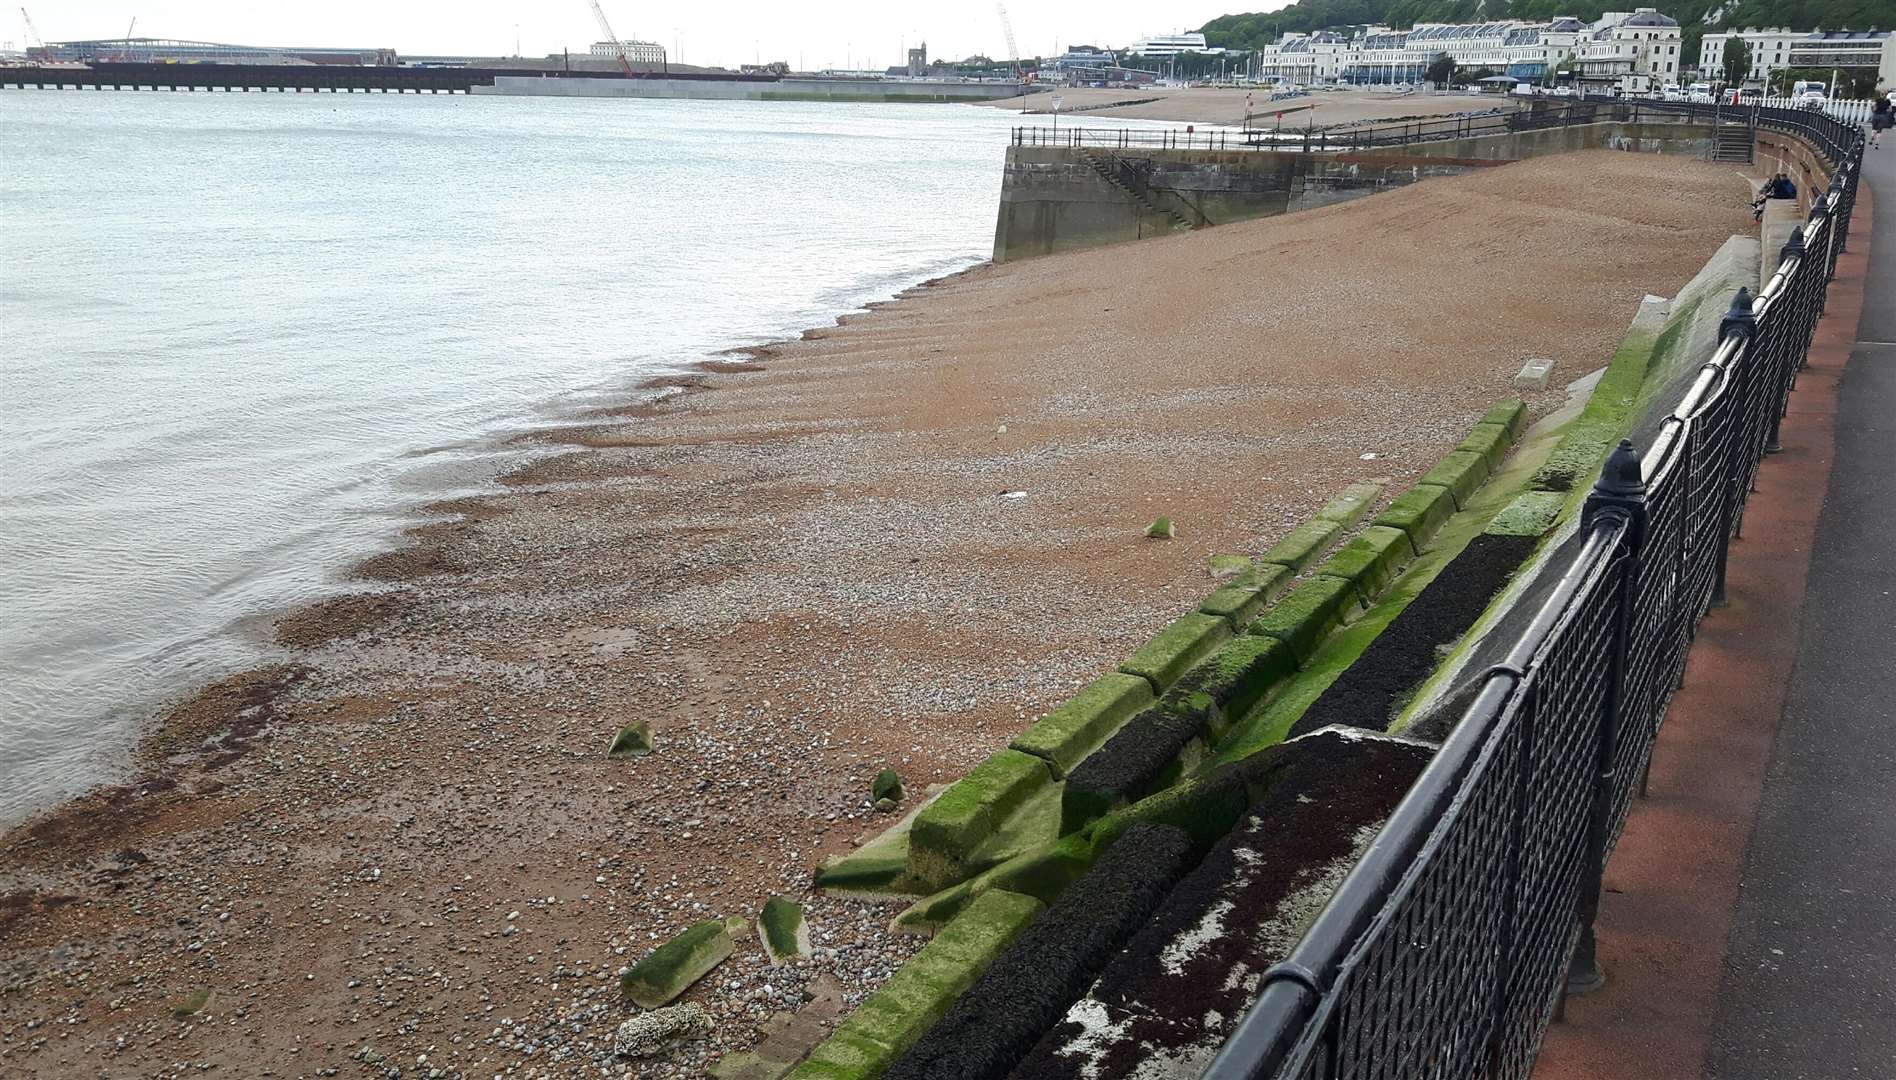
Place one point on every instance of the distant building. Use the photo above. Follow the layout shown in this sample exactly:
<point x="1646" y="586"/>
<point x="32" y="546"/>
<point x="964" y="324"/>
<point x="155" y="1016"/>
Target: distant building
<point x="918" y="61"/>
<point x="1619" y="43"/>
<point x="637" y="52"/>
<point x="1166" y="46"/>
<point x="168" y="51"/>
<point x="1774" y="50"/>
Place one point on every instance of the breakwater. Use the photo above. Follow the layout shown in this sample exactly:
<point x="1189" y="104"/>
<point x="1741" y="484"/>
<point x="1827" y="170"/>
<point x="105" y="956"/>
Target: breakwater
<point x="1070" y="190"/>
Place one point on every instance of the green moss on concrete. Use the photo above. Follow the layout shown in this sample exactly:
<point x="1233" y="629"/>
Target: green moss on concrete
<point x="1304" y="544"/>
<point x="1176" y="648"/>
<point x="862" y="873"/>
<point x="1078" y="726"/>
<point x="633" y="740"/>
<point x="191" y="1005"/>
<point x="1606" y="417"/>
<point x="1303" y="618"/>
<point x="1491" y="441"/>
<point x="1042" y="872"/>
<point x="1269" y="577"/>
<point x="671" y="968"/>
<point x="1224" y="566"/>
<point x="1161" y="529"/>
<point x="1230" y="682"/>
<point x="1235" y="604"/>
<point x="1419" y="511"/>
<point x="948" y="830"/>
<point x="781" y="929"/>
<point x="917" y="995"/>
<point x="1206" y="807"/>
<point x="1349" y="507"/>
<point x="1461" y="472"/>
<point x="1511" y="415"/>
<point x="1370" y="561"/>
<point x="887" y="785"/>
<point x="1530" y="514"/>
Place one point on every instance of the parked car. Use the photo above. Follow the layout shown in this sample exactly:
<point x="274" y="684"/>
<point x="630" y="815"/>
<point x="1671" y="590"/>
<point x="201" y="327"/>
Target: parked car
<point x="1563" y="91"/>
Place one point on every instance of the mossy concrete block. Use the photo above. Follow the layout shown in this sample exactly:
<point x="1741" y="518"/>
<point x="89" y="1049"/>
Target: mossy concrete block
<point x="1080" y="724"/>
<point x="1237" y="605"/>
<point x="1225" y="566"/>
<point x="1230" y="682"/>
<point x="670" y="969"/>
<point x="633" y="740"/>
<point x="1511" y="415"/>
<point x="1306" y="616"/>
<point x="1161" y="529"/>
<point x="1349" y="507"/>
<point x="1461" y="472"/>
<point x="1206" y="807"/>
<point x="1176" y="648"/>
<point x="1491" y="441"/>
<point x="1268" y="577"/>
<point x="947" y="831"/>
<point x="1144" y="756"/>
<point x="921" y="991"/>
<point x="887" y="785"/>
<point x="1371" y="560"/>
<point x="1304" y="544"/>
<point x="1531" y="513"/>
<point x="781" y="928"/>
<point x="1419" y="511"/>
<point x="861" y="873"/>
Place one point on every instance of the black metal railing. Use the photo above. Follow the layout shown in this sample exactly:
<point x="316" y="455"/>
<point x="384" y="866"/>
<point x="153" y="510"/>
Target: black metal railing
<point x="1446" y="950"/>
<point x="1830" y="136"/>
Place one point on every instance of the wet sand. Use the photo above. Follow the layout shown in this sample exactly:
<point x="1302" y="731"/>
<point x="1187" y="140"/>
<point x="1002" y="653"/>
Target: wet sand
<point x="407" y="840"/>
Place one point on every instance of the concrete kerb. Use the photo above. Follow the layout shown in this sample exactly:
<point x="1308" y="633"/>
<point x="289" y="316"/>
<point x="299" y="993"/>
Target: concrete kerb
<point x="1078" y="726"/>
<point x="920" y="992"/>
<point x="1422" y="509"/>
<point x="948" y="830"/>
<point x="1173" y="651"/>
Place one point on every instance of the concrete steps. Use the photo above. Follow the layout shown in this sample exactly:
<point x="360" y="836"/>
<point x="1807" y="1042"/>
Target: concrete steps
<point x="1734" y="143"/>
<point x="1133" y="190"/>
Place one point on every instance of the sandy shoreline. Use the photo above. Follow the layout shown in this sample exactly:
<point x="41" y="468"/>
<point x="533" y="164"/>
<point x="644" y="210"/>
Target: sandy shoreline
<point x="800" y="570"/>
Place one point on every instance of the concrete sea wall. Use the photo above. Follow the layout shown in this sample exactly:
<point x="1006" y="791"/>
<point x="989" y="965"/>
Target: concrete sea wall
<point x="1059" y="198"/>
<point x="778" y="90"/>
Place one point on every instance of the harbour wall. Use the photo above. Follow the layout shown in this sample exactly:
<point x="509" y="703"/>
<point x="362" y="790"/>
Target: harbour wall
<point x="788" y="89"/>
<point x="1064" y="198"/>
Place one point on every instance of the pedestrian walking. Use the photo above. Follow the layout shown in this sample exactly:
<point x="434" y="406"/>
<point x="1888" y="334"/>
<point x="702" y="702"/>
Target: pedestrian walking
<point x="1882" y="114"/>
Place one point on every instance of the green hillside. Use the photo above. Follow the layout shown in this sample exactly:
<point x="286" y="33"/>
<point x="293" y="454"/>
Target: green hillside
<point x="1250" y="31"/>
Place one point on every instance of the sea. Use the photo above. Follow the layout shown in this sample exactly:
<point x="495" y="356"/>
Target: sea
<point x="245" y="337"/>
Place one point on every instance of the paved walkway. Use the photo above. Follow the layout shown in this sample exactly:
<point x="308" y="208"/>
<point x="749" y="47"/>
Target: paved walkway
<point x="1810" y="978"/>
<point x="1749" y="921"/>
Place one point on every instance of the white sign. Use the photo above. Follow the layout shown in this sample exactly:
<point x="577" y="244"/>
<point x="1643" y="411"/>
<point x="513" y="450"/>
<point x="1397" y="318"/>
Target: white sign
<point x="1057" y="102"/>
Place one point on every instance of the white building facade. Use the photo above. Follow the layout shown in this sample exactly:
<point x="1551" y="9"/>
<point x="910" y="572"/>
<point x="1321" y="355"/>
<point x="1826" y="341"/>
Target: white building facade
<point x="638" y="52"/>
<point x="1774" y="50"/>
<point x="1166" y="46"/>
<point x="1640" y="42"/>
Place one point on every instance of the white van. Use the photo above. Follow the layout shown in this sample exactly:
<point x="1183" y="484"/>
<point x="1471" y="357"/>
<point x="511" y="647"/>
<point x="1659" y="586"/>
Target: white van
<point x="1809" y="95"/>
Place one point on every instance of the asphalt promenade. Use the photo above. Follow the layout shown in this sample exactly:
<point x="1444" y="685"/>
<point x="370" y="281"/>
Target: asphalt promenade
<point x="1809" y="988"/>
<point x="1748" y="926"/>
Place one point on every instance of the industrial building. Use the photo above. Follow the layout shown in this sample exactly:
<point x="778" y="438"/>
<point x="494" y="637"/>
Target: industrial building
<point x="145" y="50"/>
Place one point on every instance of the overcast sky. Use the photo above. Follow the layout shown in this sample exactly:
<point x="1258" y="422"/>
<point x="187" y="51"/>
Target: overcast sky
<point x="827" y="33"/>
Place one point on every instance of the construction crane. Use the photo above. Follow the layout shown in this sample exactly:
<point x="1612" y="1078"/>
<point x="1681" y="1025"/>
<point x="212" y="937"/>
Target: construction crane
<point x="612" y="39"/>
<point x="33" y="34"/>
<point x="125" y="54"/>
<point x="1007" y="27"/>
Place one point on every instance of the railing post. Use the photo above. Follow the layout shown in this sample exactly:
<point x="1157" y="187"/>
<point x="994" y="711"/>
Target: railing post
<point x="1739" y="322"/>
<point x="1618" y="495"/>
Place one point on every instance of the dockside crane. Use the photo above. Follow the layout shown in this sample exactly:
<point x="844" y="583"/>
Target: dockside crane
<point x="33" y="35"/>
<point x="125" y="54"/>
<point x="1007" y="27"/>
<point x="612" y="39"/>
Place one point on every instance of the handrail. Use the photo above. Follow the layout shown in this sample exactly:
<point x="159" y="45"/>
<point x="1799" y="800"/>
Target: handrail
<point x="1446" y="947"/>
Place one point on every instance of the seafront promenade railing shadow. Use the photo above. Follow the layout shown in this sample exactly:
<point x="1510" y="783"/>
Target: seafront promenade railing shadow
<point x="1449" y="947"/>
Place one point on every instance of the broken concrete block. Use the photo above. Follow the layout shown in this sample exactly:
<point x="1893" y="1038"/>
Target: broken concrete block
<point x="650" y="1033"/>
<point x="887" y="786"/>
<point x="781" y="928"/>
<point x="633" y="740"/>
<point x="671" y="968"/>
<point x="1535" y="374"/>
<point x="1161" y="529"/>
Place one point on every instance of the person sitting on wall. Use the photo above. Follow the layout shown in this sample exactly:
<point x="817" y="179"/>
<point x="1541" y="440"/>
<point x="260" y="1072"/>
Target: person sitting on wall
<point x="1778" y="187"/>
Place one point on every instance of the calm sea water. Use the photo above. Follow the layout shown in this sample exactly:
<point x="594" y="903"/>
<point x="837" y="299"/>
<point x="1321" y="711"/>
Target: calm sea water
<point x="242" y="337"/>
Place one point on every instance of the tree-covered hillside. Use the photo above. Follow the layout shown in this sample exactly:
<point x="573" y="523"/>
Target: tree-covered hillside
<point x="1695" y="16"/>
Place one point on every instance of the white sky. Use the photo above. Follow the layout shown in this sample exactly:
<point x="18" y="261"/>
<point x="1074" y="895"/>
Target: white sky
<point x="831" y="33"/>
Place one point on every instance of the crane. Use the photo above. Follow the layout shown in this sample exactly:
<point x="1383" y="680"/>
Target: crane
<point x="612" y="39"/>
<point x="1007" y="27"/>
<point x="33" y="34"/>
<point x="125" y="54"/>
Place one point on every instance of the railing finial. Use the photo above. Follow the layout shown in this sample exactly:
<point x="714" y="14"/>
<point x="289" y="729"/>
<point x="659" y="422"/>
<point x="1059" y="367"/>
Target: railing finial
<point x="1739" y="320"/>
<point x="1794" y="246"/>
<point x="1621" y="492"/>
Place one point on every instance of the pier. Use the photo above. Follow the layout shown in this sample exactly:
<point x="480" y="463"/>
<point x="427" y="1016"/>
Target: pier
<point x="301" y="78"/>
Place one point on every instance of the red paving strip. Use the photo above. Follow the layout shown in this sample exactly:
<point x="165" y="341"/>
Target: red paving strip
<point x="1672" y="885"/>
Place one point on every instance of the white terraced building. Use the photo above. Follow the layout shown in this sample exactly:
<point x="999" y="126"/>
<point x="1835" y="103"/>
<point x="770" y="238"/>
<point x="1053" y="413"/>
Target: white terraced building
<point x="1639" y="42"/>
<point x="1775" y="50"/>
<point x="637" y="52"/>
<point x="1166" y="46"/>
